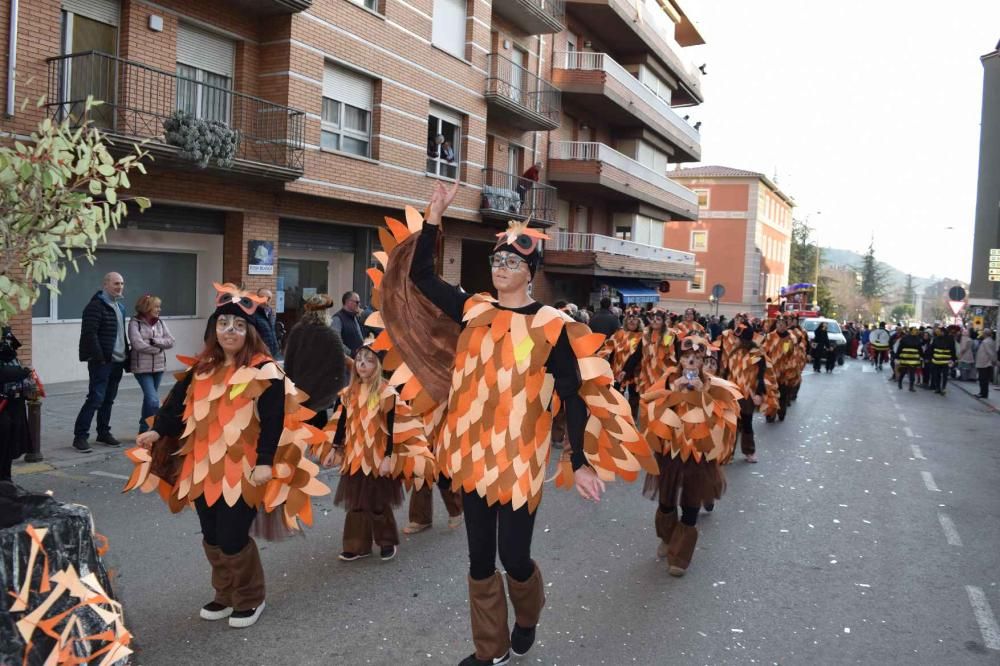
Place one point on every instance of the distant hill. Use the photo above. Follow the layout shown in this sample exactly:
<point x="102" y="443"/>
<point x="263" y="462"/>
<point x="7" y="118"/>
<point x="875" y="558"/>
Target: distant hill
<point x="832" y="256"/>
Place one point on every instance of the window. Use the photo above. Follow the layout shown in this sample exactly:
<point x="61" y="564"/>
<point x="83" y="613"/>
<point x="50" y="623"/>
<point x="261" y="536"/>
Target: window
<point x="657" y="85"/>
<point x="347" y="111"/>
<point x="702" y="198"/>
<point x="205" y="73"/>
<point x="697" y="283"/>
<point x="448" y="29"/>
<point x="651" y="158"/>
<point x="173" y="276"/>
<point x="623" y="233"/>
<point x="444" y="133"/>
<point x="90" y="25"/>
<point x="699" y="241"/>
<point x="647" y="231"/>
<point x="370" y="4"/>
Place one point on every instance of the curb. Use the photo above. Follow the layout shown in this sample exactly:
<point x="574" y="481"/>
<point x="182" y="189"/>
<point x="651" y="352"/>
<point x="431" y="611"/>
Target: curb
<point x="26" y="468"/>
<point x="972" y="395"/>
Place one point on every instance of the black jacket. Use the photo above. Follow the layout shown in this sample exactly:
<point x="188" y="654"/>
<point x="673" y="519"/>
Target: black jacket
<point x="605" y="322"/>
<point x="263" y="325"/>
<point x="99" y="331"/>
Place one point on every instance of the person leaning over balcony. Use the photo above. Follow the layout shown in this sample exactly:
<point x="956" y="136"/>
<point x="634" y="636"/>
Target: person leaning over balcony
<point x="528" y="180"/>
<point x="104" y="348"/>
<point x="149" y="338"/>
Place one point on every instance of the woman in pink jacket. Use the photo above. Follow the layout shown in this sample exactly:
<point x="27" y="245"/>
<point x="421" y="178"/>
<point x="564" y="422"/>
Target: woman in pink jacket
<point x="149" y="337"/>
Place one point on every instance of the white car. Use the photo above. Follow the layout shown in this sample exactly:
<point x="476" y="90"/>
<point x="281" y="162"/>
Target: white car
<point x="810" y="324"/>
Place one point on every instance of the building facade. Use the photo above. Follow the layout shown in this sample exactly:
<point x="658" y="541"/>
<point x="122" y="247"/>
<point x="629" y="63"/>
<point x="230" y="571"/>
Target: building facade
<point x="742" y="240"/>
<point x="343" y="112"/>
<point x="985" y="286"/>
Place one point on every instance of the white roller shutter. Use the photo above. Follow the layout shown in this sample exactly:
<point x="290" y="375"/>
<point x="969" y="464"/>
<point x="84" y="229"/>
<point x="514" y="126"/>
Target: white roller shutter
<point x="347" y="86"/>
<point x="448" y="30"/>
<point x="105" y="11"/>
<point x="446" y="114"/>
<point x="205" y="50"/>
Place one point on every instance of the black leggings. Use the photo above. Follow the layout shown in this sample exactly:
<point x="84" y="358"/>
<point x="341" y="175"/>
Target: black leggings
<point x="904" y="370"/>
<point x="482" y="524"/>
<point x="689" y="514"/>
<point x="227" y="527"/>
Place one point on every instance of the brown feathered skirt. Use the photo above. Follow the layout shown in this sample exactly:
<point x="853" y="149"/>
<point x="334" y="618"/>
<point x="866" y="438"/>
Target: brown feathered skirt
<point x="693" y="483"/>
<point x="364" y="492"/>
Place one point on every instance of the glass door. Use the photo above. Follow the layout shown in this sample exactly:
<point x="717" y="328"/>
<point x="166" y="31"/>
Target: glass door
<point x="94" y="74"/>
<point x="300" y="279"/>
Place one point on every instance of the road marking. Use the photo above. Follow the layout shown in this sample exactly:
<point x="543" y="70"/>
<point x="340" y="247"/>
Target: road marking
<point x="909" y="433"/>
<point x="917" y="453"/>
<point x="902" y="417"/>
<point x="984" y="616"/>
<point x="929" y="482"/>
<point x="950" y="533"/>
<point x="110" y="475"/>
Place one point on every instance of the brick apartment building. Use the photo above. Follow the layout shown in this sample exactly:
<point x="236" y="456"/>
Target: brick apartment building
<point x="345" y="111"/>
<point x="742" y="240"/>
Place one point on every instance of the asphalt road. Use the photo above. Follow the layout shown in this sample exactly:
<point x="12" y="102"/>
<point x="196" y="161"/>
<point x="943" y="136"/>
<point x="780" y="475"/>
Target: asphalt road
<point x="866" y="534"/>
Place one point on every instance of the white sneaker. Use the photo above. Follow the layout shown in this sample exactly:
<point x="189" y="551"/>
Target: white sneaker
<point x="215" y="611"/>
<point x="247" y="618"/>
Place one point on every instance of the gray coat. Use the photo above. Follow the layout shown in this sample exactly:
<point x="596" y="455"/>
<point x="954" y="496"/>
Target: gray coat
<point x="148" y="343"/>
<point x="986" y="355"/>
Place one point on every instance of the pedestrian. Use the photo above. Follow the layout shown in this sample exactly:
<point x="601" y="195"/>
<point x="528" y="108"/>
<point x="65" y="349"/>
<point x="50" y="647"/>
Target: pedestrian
<point x="266" y="322"/>
<point x="879" y="341"/>
<point x="986" y="358"/>
<point x="821" y="348"/>
<point x="747" y="369"/>
<point x="495" y="442"/>
<point x="233" y="387"/>
<point x="966" y="354"/>
<point x="604" y="321"/>
<point x="865" y="340"/>
<point x="381" y="441"/>
<point x="944" y="353"/>
<point x="313" y="359"/>
<point x="928" y="353"/>
<point x="149" y="339"/>
<point x="908" y="354"/>
<point x="714" y="328"/>
<point x="16" y="388"/>
<point x="345" y="323"/>
<point x="692" y="437"/>
<point x="528" y="180"/>
<point x="104" y="347"/>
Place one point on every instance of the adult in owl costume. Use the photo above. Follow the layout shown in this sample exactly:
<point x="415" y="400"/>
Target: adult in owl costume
<point x="231" y="439"/>
<point x="504" y="367"/>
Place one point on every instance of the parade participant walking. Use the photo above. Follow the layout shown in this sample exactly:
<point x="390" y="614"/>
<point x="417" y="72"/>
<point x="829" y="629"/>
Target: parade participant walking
<point x="748" y="367"/>
<point x="690" y="421"/>
<point x="986" y="358"/>
<point x="15" y="389"/>
<point x="384" y="444"/>
<point x="879" y="342"/>
<point x="655" y="354"/>
<point x="311" y="360"/>
<point x="800" y="347"/>
<point x="105" y="349"/>
<point x="822" y="349"/>
<point x="689" y="324"/>
<point x="728" y="342"/>
<point x="149" y="339"/>
<point x="908" y="357"/>
<point x="618" y="349"/>
<point x="928" y="352"/>
<point x="235" y="389"/>
<point x="779" y="346"/>
<point x="944" y="353"/>
<point x="422" y="499"/>
<point x="512" y="357"/>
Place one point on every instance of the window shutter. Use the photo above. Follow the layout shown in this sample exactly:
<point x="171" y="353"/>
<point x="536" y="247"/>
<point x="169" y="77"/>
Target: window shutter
<point x="448" y="30"/>
<point x="105" y="11"/>
<point x="205" y="50"/>
<point x="347" y="86"/>
<point x="446" y="114"/>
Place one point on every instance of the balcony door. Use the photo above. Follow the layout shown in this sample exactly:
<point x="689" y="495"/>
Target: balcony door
<point x="90" y="30"/>
<point x="205" y="68"/>
<point x="519" y="60"/>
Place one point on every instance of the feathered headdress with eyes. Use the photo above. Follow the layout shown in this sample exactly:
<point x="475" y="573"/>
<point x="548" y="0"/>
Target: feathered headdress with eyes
<point x="697" y="344"/>
<point x="231" y="300"/>
<point x="522" y="240"/>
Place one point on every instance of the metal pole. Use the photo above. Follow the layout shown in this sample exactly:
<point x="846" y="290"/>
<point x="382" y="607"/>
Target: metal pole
<point x="12" y="58"/>
<point x="35" y="428"/>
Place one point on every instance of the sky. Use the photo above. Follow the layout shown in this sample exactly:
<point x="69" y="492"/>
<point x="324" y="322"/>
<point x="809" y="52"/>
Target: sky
<point x="868" y="111"/>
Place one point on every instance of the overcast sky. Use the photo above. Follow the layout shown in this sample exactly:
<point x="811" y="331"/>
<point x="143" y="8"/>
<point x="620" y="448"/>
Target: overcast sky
<point x="868" y="110"/>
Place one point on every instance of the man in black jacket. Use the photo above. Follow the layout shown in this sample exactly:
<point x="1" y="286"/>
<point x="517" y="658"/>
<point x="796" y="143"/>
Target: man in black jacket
<point x="605" y="321"/>
<point x="105" y="349"/>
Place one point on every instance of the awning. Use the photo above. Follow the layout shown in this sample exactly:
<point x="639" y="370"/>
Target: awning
<point x="632" y="291"/>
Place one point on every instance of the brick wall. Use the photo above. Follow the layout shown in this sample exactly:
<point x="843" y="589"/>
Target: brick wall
<point x="242" y="227"/>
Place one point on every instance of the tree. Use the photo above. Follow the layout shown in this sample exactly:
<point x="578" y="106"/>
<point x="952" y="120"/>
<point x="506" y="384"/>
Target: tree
<point x="802" y="262"/>
<point x="58" y="197"/>
<point x="874" y="279"/>
<point x="902" y="312"/>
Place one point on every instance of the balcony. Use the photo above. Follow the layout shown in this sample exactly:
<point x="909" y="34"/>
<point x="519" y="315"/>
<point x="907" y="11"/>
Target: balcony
<point x="262" y="8"/>
<point x="535" y="17"/>
<point x="620" y="22"/>
<point x="138" y="99"/>
<point x="589" y="169"/>
<point x="596" y="82"/>
<point x="519" y="98"/>
<point x="594" y="254"/>
<point x="502" y="200"/>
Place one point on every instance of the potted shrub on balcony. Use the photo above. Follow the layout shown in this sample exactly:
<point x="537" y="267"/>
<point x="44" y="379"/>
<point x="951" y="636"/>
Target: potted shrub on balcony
<point x="203" y="142"/>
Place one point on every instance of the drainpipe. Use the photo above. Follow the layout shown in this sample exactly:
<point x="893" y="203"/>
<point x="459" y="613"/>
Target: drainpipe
<point x="11" y="57"/>
<point x="538" y="77"/>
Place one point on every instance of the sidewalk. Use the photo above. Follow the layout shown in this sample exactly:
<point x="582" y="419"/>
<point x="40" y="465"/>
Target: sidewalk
<point x="59" y="410"/>
<point x="972" y="388"/>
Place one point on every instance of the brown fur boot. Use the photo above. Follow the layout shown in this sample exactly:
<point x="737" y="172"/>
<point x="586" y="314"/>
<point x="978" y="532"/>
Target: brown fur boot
<point x="222" y="577"/>
<point x="488" y="612"/>
<point x="528" y="599"/>
<point x="248" y="577"/>
<point x="665" y="523"/>
<point x="681" y="548"/>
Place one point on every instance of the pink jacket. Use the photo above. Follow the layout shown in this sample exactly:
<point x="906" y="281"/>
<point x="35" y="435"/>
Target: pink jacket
<point x="148" y="345"/>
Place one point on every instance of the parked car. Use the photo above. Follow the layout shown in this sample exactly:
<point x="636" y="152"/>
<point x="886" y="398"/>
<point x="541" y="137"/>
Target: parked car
<point x="833" y="330"/>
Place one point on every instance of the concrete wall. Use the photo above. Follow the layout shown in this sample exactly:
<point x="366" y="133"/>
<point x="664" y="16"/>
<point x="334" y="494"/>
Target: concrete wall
<point x="988" y="193"/>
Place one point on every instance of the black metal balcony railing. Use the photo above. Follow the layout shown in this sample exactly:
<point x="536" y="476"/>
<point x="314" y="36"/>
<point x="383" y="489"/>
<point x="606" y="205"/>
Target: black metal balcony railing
<point x="138" y="99"/>
<point x="517" y="85"/>
<point x="505" y="194"/>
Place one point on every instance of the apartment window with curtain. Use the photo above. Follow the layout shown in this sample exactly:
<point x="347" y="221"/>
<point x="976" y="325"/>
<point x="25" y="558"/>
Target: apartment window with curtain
<point x="347" y="111"/>
<point x="448" y="26"/>
<point x="205" y="67"/>
<point x="699" y="241"/>
<point x="444" y="141"/>
<point x="697" y="283"/>
<point x="703" y="198"/>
